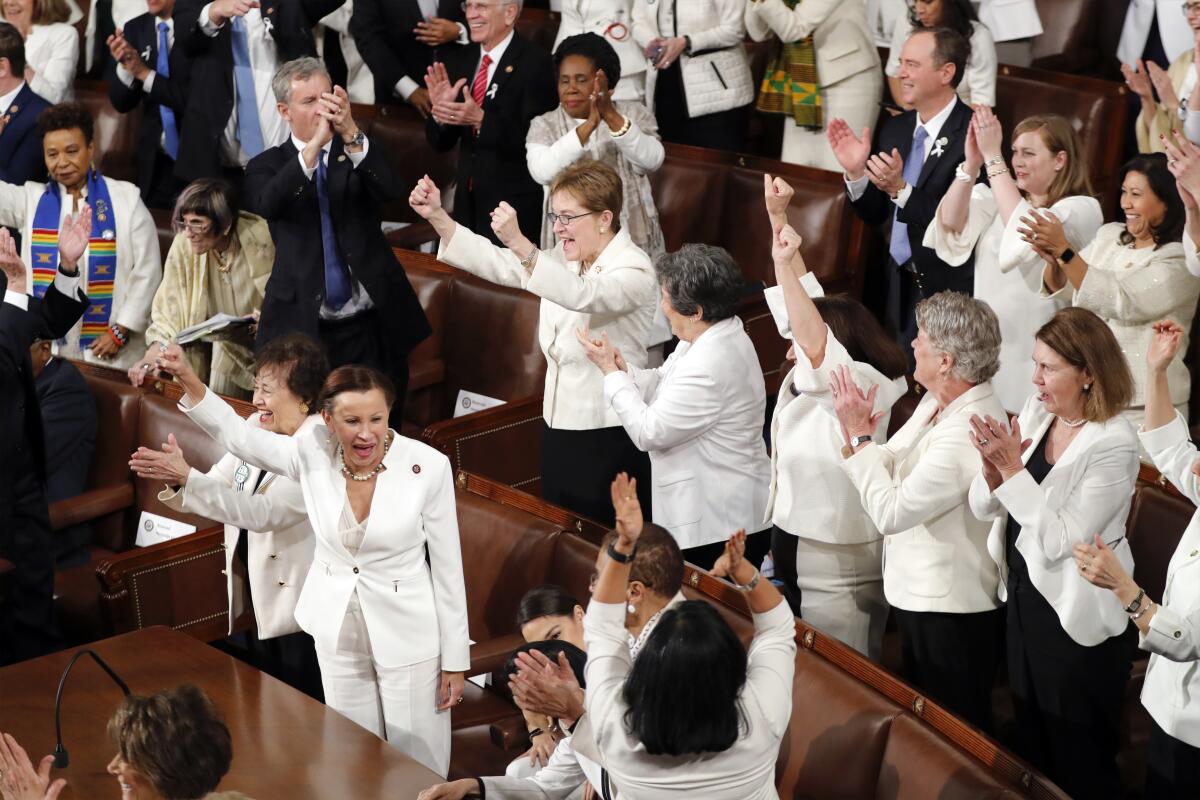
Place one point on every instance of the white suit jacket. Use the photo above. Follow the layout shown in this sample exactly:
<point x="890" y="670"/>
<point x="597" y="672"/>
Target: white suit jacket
<point x="616" y="296"/>
<point x="1087" y="491"/>
<point x="1172" y="29"/>
<point x="841" y="34"/>
<point x="1010" y="19"/>
<point x="411" y="614"/>
<point x="915" y="489"/>
<point x="700" y="417"/>
<point x="280" y="544"/>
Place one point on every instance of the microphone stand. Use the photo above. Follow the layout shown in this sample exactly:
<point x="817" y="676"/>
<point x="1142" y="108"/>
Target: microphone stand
<point x="61" y="758"/>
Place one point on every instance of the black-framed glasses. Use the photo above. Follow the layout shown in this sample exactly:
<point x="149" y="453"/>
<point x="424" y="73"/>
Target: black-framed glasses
<point x="564" y="219"/>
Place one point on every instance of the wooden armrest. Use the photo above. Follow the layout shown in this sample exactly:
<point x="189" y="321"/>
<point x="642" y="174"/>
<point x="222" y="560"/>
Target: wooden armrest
<point x="510" y="734"/>
<point x="490" y="656"/>
<point x="426" y="373"/>
<point x="90" y="505"/>
<point x="411" y="237"/>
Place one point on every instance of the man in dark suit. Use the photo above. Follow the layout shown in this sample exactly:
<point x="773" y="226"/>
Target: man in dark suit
<point x="484" y="98"/>
<point x="27" y="627"/>
<point x="335" y="277"/>
<point x="69" y="432"/>
<point x="399" y="40"/>
<point x="235" y="43"/>
<point x="148" y="70"/>
<point x="21" y="157"/>
<point x="916" y="156"/>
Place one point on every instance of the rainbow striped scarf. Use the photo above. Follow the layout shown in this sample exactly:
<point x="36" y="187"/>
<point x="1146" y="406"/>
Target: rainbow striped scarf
<point x="101" y="252"/>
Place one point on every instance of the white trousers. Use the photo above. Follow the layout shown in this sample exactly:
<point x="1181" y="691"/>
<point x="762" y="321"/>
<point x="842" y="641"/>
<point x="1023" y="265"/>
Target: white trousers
<point x="397" y="704"/>
<point x="855" y="100"/>
<point x="841" y="591"/>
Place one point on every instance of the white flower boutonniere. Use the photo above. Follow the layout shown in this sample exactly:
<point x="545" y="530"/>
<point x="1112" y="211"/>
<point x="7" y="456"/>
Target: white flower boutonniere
<point x="939" y="146"/>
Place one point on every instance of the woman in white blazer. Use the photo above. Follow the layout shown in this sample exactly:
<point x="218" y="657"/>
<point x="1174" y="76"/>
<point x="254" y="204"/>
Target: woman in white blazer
<point x="1013" y="25"/>
<point x="937" y="574"/>
<point x="1072" y="478"/>
<point x="978" y="85"/>
<point x="827" y="551"/>
<point x="700" y="415"/>
<point x="121" y="293"/>
<point x="613" y="20"/>
<point x="1169" y="630"/>
<point x="51" y="45"/>
<point x="985" y="220"/>
<point x="847" y="68"/>
<point x="594" y="277"/>
<point x="268" y="539"/>
<point x="390" y="628"/>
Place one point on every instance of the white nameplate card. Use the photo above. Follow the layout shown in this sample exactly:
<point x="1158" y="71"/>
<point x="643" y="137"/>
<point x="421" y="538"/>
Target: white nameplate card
<point x="470" y="402"/>
<point x="153" y="529"/>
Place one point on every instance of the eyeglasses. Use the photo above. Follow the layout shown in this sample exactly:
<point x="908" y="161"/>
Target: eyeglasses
<point x="1190" y="8"/>
<point x="193" y="226"/>
<point x="564" y="219"/>
<point x="481" y="7"/>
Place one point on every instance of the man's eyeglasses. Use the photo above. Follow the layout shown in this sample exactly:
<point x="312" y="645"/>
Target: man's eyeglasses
<point x="564" y="219"/>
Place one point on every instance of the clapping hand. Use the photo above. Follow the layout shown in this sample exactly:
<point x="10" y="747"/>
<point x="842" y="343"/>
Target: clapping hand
<point x="335" y="108"/>
<point x="851" y="151"/>
<point x="777" y="193"/>
<point x="1162" y="84"/>
<point x="449" y="111"/>
<point x="999" y="445"/>
<point x="1164" y="345"/>
<point x="18" y="778"/>
<point x="1183" y="160"/>
<point x="886" y="171"/>
<point x="1045" y="234"/>
<point x="989" y="133"/>
<point x="437" y="83"/>
<point x="542" y="686"/>
<point x="129" y="58"/>
<point x="168" y="466"/>
<point x="854" y="408"/>
<point x="627" y="508"/>
<point x="73" y="236"/>
<point x="600" y="351"/>
<point x="1137" y="80"/>
<point x="11" y="264"/>
<point x="729" y="562"/>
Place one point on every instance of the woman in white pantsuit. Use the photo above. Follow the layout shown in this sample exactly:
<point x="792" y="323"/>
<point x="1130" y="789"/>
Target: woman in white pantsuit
<point x="390" y="630"/>
<point x="847" y="67"/>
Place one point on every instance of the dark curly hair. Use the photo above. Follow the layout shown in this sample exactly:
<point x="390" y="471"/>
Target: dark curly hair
<point x="64" y="117"/>
<point x="595" y="49"/>
<point x="1153" y="166"/>
<point x="302" y="362"/>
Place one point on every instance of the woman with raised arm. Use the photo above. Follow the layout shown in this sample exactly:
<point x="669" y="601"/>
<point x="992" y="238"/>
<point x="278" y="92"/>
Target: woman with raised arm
<point x="1051" y="175"/>
<point x="1169" y="628"/>
<point x="827" y="551"/>
<point x="1068" y="661"/>
<point x="595" y="277"/>
<point x="390" y="626"/>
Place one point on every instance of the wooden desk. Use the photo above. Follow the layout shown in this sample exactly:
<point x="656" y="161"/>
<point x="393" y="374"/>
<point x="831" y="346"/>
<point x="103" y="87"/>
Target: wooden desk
<point x="285" y="744"/>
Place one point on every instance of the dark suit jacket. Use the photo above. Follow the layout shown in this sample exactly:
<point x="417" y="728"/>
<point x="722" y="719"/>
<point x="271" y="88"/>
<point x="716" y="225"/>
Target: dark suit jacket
<point x="21" y="157"/>
<point x="278" y="191"/>
<point x="142" y="34"/>
<point x="492" y="166"/>
<point x="383" y="31"/>
<point x="69" y="430"/>
<point x="876" y="208"/>
<point x="210" y="90"/>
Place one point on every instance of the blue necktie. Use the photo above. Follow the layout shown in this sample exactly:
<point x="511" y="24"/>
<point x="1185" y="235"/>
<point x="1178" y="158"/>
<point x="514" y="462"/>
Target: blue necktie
<point x="900" y="249"/>
<point x="163" y="67"/>
<point x="337" y="282"/>
<point x="249" y="132"/>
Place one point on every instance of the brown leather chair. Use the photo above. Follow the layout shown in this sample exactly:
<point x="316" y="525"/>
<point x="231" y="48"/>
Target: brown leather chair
<point x="1068" y="42"/>
<point x="540" y="26"/>
<point x="115" y="133"/>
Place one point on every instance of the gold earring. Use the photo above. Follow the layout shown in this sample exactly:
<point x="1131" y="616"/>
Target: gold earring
<point x="304" y="408"/>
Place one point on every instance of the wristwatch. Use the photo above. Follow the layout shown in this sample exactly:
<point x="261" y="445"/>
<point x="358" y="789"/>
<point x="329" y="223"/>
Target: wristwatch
<point x="749" y="587"/>
<point x="687" y="44"/>
<point x="620" y="558"/>
<point x="855" y="441"/>
<point x="356" y="140"/>
<point x="1066" y="256"/>
<point x="1137" y="601"/>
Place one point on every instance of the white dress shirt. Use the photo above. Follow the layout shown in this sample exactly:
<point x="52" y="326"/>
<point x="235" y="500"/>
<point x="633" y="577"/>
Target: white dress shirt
<point x="932" y="128"/>
<point x="264" y="61"/>
<point x="66" y="284"/>
<point x="6" y="100"/>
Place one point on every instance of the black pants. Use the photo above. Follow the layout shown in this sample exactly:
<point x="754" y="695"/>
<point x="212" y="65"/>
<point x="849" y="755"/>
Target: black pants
<point x="721" y="130"/>
<point x="164" y="187"/>
<point x="1067" y="697"/>
<point x="953" y="658"/>
<point x="361" y="340"/>
<point x="705" y="555"/>
<point x="27" y="625"/>
<point x="783" y="554"/>
<point x="578" y="468"/>
<point x="1172" y="766"/>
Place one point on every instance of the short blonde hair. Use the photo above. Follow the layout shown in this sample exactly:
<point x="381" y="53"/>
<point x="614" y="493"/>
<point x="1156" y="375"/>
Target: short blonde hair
<point x="596" y="186"/>
<point x="964" y="328"/>
<point x="47" y="12"/>
<point x="1087" y="343"/>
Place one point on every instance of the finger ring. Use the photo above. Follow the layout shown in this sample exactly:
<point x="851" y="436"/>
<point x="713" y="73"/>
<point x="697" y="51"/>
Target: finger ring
<point x="1034" y="237"/>
<point x="460" y="700"/>
<point x="983" y="441"/>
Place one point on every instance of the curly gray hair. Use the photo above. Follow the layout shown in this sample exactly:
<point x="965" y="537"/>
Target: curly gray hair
<point x="701" y="277"/>
<point x="964" y="328"/>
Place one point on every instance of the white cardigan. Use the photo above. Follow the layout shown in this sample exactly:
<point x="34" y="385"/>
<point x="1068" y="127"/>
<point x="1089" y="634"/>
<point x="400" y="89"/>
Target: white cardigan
<point x="280" y="540"/>
<point x="1087" y="491"/>
<point x="616" y="296"/>
<point x="603" y="18"/>
<point x="139" y="262"/>
<point x="700" y="417"/>
<point x="915" y="489"/>
<point x="1172" y="679"/>
<point x="412" y="613"/>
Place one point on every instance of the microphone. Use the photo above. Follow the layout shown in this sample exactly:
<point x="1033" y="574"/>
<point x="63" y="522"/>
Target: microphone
<point x="62" y="759"/>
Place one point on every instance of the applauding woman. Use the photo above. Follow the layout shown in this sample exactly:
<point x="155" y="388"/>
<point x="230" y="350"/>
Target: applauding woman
<point x="1068" y="661"/>
<point x="1052" y="177"/>
<point x="596" y="277"/>
<point x="388" y="611"/>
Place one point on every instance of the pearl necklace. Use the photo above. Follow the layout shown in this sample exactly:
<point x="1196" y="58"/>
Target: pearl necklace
<point x="354" y="476"/>
<point x="1071" y="423"/>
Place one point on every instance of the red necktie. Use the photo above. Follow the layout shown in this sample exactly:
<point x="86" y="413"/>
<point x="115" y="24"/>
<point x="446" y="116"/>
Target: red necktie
<point x="480" y="84"/>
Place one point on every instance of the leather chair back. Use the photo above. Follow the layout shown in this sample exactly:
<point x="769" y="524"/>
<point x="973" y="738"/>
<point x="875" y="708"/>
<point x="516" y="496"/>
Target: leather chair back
<point x="115" y="133"/>
<point x="540" y="26"/>
<point x="1157" y="520"/>
<point x="117" y="408"/>
<point x="1068" y="39"/>
<point x="399" y="133"/>
<point x="574" y="563"/>
<point x="689" y="192"/>
<point x="919" y="764"/>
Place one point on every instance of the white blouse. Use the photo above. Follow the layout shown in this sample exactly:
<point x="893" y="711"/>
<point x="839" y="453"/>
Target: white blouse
<point x="978" y="86"/>
<point x="52" y="51"/>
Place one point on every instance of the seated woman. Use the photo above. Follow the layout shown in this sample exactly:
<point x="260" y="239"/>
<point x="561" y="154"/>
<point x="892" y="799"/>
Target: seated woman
<point x="276" y="552"/>
<point x="51" y="45"/>
<point x="172" y="744"/>
<point x="826" y="549"/>
<point x="595" y="276"/>
<point x="647" y="715"/>
<point x="700" y="415"/>
<point x="612" y="20"/>
<point x="219" y="263"/>
<point x="121" y="267"/>
<point x="984" y="221"/>
<point x="390" y="626"/>
<point x="978" y="86"/>
<point x="588" y="123"/>
<point x="1169" y="630"/>
<point x="937" y="574"/>
<point x="1132" y="274"/>
<point x="1073" y="477"/>
<point x="1178" y="103"/>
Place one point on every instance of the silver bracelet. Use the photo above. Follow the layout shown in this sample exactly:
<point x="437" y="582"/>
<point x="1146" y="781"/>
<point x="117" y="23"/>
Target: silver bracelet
<point x="753" y="582"/>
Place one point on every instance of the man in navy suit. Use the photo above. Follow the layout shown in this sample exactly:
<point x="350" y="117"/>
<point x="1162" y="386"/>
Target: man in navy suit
<point x="147" y="70"/>
<point x="20" y="145"/>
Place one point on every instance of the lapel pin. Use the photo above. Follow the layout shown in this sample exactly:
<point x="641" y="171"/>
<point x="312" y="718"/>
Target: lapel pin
<point x="342" y="157"/>
<point x="416" y="469"/>
<point x="13" y="109"/>
<point x="508" y="68"/>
